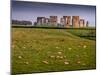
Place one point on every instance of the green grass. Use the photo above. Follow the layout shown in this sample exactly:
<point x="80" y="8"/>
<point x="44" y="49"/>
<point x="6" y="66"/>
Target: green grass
<point x="84" y="33"/>
<point x="32" y="46"/>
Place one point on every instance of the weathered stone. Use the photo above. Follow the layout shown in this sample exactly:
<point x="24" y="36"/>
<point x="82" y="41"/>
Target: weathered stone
<point x="62" y="22"/>
<point x="82" y="23"/>
<point x="26" y="63"/>
<point x="87" y="23"/>
<point x="78" y="62"/>
<point x="53" y="20"/>
<point x="66" y="62"/>
<point x="45" y="62"/>
<point x="52" y="56"/>
<point x="59" y="53"/>
<point x="67" y="20"/>
<point x="41" y="20"/>
<point x="69" y="48"/>
<point x="57" y="57"/>
<point x="84" y="46"/>
<point x="75" y="21"/>
<point x="19" y="57"/>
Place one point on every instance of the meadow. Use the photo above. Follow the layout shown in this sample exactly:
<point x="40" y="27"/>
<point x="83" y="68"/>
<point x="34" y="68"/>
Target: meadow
<point x="49" y="50"/>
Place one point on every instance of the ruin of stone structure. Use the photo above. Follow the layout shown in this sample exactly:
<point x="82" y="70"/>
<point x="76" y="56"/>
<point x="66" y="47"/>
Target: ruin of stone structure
<point x="46" y="21"/>
<point x="82" y="23"/>
<point x="67" y="20"/>
<point x="75" y="21"/>
<point x="53" y="20"/>
<point x="40" y="20"/>
<point x="62" y="21"/>
<point x="87" y="23"/>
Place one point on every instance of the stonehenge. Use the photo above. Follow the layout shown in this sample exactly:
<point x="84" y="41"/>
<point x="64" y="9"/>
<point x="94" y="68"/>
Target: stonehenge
<point x="65" y="21"/>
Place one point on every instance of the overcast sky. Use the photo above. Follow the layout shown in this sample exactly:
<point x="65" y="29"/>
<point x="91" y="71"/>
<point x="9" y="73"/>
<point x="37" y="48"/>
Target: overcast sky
<point x="22" y="10"/>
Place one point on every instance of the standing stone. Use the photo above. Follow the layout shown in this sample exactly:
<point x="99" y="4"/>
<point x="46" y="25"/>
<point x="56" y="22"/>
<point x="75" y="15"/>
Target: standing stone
<point x="40" y="20"/>
<point x="75" y="21"/>
<point x="46" y="21"/>
<point x="53" y="20"/>
<point x="82" y="23"/>
<point x="67" y="20"/>
<point x="87" y="23"/>
<point x="62" y="22"/>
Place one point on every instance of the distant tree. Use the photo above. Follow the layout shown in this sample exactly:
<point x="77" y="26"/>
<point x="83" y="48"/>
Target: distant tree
<point x="21" y="22"/>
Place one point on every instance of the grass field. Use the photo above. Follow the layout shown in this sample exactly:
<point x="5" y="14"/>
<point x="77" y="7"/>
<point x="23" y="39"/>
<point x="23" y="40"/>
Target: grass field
<point x="48" y="50"/>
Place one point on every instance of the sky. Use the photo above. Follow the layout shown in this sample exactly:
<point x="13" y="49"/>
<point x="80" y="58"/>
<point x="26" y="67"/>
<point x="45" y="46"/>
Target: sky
<point x="29" y="11"/>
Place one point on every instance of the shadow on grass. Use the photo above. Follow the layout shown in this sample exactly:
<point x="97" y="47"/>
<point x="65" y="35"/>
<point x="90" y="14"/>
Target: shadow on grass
<point x="52" y="27"/>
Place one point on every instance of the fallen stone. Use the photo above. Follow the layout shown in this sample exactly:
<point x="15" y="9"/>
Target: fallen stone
<point x="26" y="63"/>
<point x="61" y="57"/>
<point x="69" y="48"/>
<point x="66" y="62"/>
<point x="19" y="57"/>
<point x="84" y="46"/>
<point x="57" y="47"/>
<point x="45" y="62"/>
<point x="57" y="57"/>
<point x="78" y="62"/>
<point x="59" y="53"/>
<point x="52" y="56"/>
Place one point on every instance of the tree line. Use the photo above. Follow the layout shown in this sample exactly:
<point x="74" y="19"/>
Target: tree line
<point x="21" y="22"/>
